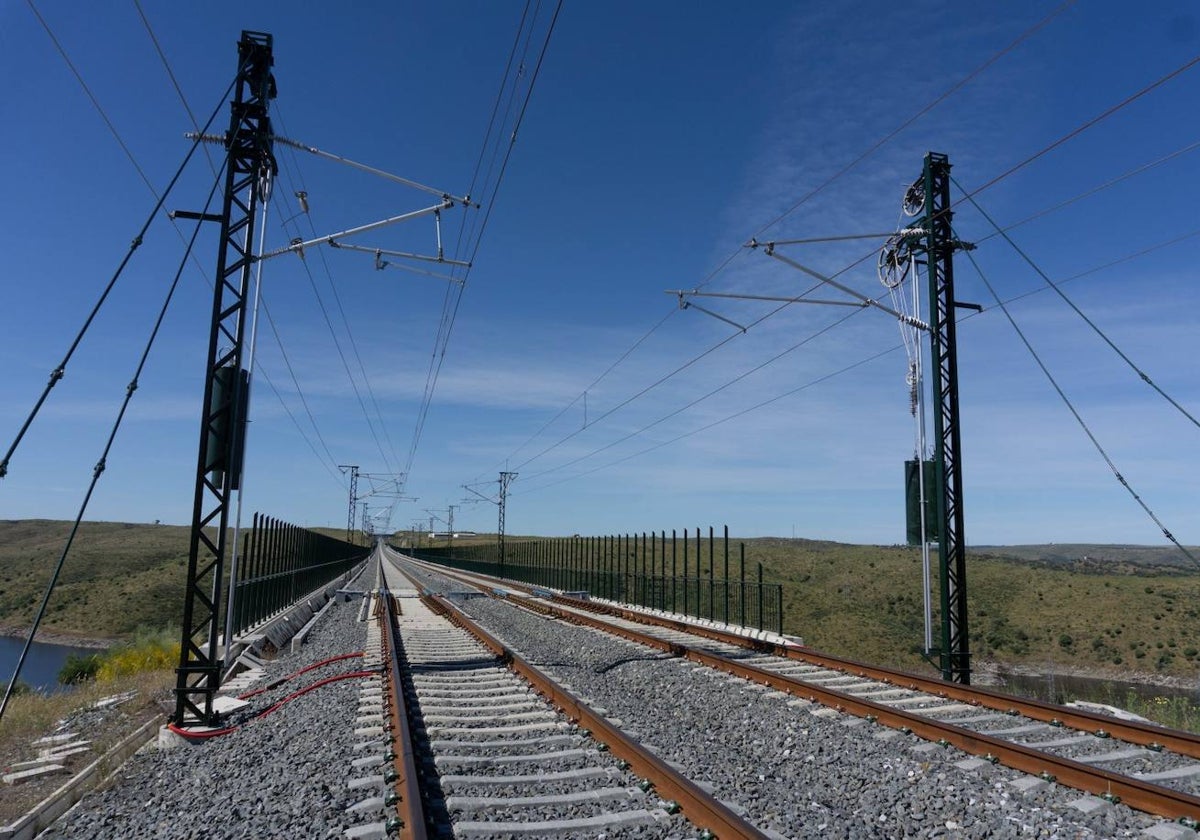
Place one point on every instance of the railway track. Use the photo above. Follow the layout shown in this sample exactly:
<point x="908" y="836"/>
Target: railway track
<point x="1146" y="767"/>
<point x="501" y="760"/>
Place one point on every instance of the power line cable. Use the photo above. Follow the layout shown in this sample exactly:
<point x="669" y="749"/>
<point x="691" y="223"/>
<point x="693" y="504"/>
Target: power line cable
<point x="1070" y="135"/>
<point x="1137" y="170"/>
<point x="101" y="464"/>
<point x="487" y="213"/>
<point x="829" y="181"/>
<point x="855" y="365"/>
<point x="1075" y="413"/>
<point x="337" y="299"/>
<point x="1145" y="377"/>
<point x="59" y="371"/>
<point x="174" y="81"/>
<point x="700" y="399"/>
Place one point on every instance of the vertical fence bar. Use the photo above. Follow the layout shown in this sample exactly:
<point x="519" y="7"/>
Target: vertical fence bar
<point x="712" y="576"/>
<point x="726" y="613"/>
<point x="674" y="573"/>
<point x="760" y="596"/>
<point x="685" y="572"/>
<point x="742" y="586"/>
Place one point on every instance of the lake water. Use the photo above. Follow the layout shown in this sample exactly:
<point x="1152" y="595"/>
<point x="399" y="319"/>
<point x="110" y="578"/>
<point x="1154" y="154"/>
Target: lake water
<point x="41" y="666"/>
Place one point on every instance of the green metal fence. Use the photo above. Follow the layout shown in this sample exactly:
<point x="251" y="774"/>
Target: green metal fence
<point x="677" y="572"/>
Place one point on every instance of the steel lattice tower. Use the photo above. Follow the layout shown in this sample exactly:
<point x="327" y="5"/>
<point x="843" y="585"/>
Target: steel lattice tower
<point x="505" y="479"/>
<point x="940" y="245"/>
<point x="250" y="165"/>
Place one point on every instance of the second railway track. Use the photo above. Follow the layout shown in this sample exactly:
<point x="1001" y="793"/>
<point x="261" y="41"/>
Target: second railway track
<point x="800" y="776"/>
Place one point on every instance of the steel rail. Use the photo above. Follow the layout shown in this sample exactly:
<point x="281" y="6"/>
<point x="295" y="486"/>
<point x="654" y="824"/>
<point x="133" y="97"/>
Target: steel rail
<point x="1138" y="794"/>
<point x="409" y="809"/>
<point x="1142" y="734"/>
<point x="1144" y="796"/>
<point x="702" y="809"/>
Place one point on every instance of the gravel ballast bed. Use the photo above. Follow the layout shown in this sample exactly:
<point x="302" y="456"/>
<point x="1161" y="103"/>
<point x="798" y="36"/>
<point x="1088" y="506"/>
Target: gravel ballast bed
<point x="281" y="775"/>
<point x="795" y="772"/>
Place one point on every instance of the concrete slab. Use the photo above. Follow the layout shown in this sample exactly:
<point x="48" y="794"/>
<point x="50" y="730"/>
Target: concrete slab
<point x="1183" y="772"/>
<point x="1115" y="755"/>
<point x="1090" y="804"/>
<point x="32" y="773"/>
<point x="1169" y="831"/>
<point x="226" y="705"/>
<point x="975" y="765"/>
<point x="1069" y="741"/>
<point x="61" y="738"/>
<point x="370" y="831"/>
<point x="1029" y="784"/>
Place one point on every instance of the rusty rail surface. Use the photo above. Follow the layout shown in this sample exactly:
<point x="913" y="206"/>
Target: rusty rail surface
<point x="1143" y="734"/>
<point x="407" y="783"/>
<point x="1138" y="794"/>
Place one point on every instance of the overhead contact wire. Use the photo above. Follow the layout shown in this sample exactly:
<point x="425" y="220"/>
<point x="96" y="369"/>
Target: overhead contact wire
<point x="853" y="366"/>
<point x="102" y="463"/>
<point x="841" y="172"/>
<point x="1078" y="417"/>
<point x="1145" y="377"/>
<point x="60" y="371"/>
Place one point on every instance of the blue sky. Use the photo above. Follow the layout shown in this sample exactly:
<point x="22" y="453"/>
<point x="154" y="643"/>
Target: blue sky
<point x="658" y="139"/>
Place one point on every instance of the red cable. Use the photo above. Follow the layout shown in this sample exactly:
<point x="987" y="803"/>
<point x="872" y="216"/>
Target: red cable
<point x="292" y="676"/>
<point x="227" y="730"/>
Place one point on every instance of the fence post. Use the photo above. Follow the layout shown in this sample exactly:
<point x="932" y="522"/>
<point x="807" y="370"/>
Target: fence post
<point x="760" y="597"/>
<point x="674" y="572"/>
<point x="712" y="576"/>
<point x="742" y="587"/>
<point x="726" y="574"/>
<point x="685" y="572"/>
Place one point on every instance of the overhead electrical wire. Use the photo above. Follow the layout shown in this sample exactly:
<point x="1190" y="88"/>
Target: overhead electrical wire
<point x="451" y="300"/>
<point x="712" y="393"/>
<point x="1070" y="135"/>
<point x="60" y="371"/>
<point x="1025" y="35"/>
<point x="299" y="180"/>
<point x="1075" y="413"/>
<point x="102" y="463"/>
<point x="312" y="282"/>
<point x="741" y="413"/>
<point x="1074" y="308"/>
<point x="966" y="195"/>
<point x="478" y="237"/>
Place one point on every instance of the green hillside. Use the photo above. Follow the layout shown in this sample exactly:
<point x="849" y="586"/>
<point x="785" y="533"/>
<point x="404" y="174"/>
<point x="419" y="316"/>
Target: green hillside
<point x="1102" y="609"/>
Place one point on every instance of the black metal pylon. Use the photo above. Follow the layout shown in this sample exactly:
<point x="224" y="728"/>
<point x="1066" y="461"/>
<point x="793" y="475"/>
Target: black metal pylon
<point x="250" y="164"/>
<point x="505" y="479"/>
<point x="940" y="245"/>
<point x="353" y="468"/>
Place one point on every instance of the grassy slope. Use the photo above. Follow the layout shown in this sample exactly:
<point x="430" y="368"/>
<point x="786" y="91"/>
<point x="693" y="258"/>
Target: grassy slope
<point x="116" y="578"/>
<point x="1125" y="608"/>
<point x="1121" y="614"/>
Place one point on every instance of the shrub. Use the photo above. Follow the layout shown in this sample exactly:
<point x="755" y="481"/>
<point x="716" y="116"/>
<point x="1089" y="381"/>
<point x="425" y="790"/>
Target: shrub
<point x="1065" y="641"/>
<point x="78" y="668"/>
<point x="150" y="650"/>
